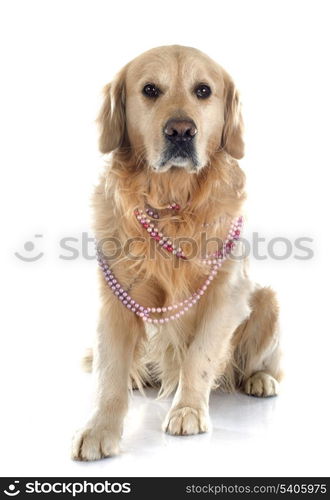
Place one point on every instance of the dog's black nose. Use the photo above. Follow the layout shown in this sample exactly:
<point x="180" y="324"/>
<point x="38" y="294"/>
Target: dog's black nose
<point x="180" y="131"/>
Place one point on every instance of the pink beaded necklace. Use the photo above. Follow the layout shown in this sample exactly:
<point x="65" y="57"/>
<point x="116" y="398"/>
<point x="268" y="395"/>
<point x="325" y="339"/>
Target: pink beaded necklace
<point x="177" y="310"/>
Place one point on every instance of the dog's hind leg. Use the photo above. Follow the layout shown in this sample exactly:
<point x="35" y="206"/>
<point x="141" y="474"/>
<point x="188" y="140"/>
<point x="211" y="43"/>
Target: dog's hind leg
<point x="257" y="352"/>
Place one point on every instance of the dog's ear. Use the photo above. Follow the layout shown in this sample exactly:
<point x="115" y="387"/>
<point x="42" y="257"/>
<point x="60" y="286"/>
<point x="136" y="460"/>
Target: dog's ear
<point x="111" y="119"/>
<point x="232" y="134"/>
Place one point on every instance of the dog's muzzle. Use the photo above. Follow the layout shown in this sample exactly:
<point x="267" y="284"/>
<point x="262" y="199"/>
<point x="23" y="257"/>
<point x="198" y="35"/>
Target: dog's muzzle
<point x="179" y="141"/>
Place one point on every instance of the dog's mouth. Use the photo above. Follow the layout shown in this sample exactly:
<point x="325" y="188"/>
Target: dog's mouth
<point x="182" y="156"/>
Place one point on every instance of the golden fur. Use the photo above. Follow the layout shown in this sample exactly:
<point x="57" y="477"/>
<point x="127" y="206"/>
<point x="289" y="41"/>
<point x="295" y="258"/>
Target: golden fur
<point x="230" y="338"/>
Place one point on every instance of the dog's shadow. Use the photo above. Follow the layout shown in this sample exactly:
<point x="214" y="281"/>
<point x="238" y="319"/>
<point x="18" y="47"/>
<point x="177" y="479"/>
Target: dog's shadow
<point x="234" y="417"/>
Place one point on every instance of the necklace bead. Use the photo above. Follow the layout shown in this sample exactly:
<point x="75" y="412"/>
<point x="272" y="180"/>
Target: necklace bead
<point x="215" y="264"/>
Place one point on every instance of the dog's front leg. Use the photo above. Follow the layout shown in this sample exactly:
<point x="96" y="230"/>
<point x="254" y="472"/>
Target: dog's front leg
<point x="118" y="332"/>
<point x="205" y="360"/>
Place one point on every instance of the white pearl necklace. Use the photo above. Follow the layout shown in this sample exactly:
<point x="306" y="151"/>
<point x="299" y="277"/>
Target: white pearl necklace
<point x="176" y="310"/>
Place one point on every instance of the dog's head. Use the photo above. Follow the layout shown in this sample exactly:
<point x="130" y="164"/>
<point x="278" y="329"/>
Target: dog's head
<point x="172" y="107"/>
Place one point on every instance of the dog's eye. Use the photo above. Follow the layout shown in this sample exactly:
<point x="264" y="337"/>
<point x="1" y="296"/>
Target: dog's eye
<point x="202" y="91"/>
<point x="150" y="90"/>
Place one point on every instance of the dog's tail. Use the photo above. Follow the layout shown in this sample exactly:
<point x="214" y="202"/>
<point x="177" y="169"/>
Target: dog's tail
<point x="87" y="360"/>
<point x="139" y="374"/>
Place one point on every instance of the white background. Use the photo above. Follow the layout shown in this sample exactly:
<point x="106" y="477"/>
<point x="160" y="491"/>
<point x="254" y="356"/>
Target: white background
<point x="56" y="56"/>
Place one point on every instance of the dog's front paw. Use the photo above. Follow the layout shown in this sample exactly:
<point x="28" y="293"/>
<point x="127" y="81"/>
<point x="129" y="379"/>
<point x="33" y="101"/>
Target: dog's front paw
<point x="94" y="442"/>
<point x="261" y="384"/>
<point x="185" y="421"/>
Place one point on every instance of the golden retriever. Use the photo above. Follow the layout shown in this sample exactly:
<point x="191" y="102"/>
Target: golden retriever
<point x="175" y="310"/>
